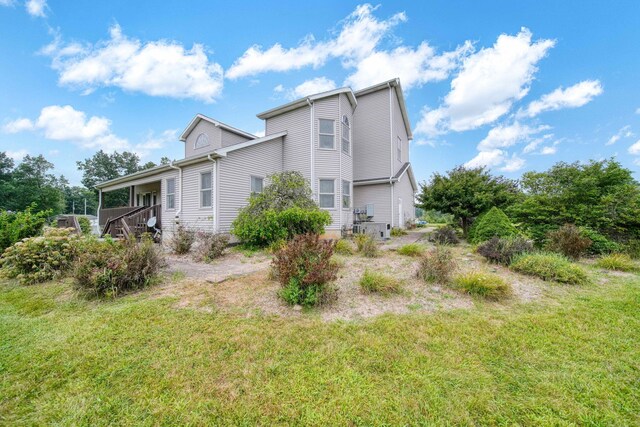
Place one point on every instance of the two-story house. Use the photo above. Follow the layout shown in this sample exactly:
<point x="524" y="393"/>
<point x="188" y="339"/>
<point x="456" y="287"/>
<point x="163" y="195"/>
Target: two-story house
<point x="352" y="147"/>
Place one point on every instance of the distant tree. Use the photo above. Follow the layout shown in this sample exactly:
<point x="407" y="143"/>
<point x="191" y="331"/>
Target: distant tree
<point x="75" y="197"/>
<point x="466" y="193"/>
<point x="6" y="180"/>
<point x="33" y="184"/>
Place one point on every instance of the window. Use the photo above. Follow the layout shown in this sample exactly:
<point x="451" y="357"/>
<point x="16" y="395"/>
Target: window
<point x="346" y="194"/>
<point x="346" y="131"/>
<point x="256" y="184"/>
<point x="327" y="134"/>
<point x="205" y="190"/>
<point x="201" y="141"/>
<point x="171" y="193"/>
<point x="327" y="193"/>
<point x="399" y="149"/>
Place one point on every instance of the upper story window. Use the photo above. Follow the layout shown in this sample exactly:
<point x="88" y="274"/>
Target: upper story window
<point x="399" y="149"/>
<point x="346" y="135"/>
<point x="327" y="134"/>
<point x="257" y="184"/>
<point x="201" y="141"/>
<point x="327" y="193"/>
<point x="171" y="193"/>
<point x="206" y="185"/>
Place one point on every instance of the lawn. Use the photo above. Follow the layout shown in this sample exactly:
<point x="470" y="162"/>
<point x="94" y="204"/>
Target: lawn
<point x="571" y="357"/>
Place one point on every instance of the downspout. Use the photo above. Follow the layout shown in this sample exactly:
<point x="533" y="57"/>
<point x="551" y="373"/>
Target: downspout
<point x="339" y="147"/>
<point x="214" y="191"/>
<point x="313" y="184"/>
<point x="179" y="169"/>
<point x="99" y="207"/>
<point x="391" y="145"/>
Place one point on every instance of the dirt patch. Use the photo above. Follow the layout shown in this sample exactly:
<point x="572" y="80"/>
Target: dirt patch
<point x="231" y="264"/>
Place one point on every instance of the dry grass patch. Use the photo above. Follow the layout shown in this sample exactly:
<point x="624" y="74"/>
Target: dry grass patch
<point x="376" y="282"/>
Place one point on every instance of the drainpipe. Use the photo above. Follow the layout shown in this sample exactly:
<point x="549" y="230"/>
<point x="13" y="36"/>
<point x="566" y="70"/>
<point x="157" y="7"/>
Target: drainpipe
<point x="214" y="192"/>
<point x="313" y="184"/>
<point x="180" y="178"/>
<point x="391" y="145"/>
<point x="99" y="207"/>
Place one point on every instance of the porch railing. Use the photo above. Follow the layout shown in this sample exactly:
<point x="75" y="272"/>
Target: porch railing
<point x="133" y="222"/>
<point x="106" y="214"/>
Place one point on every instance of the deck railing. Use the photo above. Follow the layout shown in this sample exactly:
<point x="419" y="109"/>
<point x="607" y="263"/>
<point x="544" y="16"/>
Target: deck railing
<point x="106" y="214"/>
<point x="133" y="222"/>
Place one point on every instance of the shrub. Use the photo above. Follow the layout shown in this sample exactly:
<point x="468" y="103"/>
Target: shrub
<point x="482" y="284"/>
<point x="600" y="244"/>
<point x="374" y="282"/>
<point x="110" y="267"/>
<point x="15" y="226"/>
<point x="182" y="240"/>
<point x="568" y="241"/>
<point x="550" y="266"/>
<point x="85" y="225"/>
<point x="493" y="223"/>
<point x="632" y="248"/>
<point x="620" y="262"/>
<point x="437" y="265"/>
<point x="445" y="236"/>
<point x="411" y="249"/>
<point x="367" y="245"/>
<point x="502" y="251"/>
<point x="41" y="258"/>
<point x="397" y="232"/>
<point x="303" y="267"/>
<point x="210" y="245"/>
<point x="344" y="247"/>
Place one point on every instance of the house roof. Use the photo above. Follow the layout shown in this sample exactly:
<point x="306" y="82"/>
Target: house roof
<point x="405" y="169"/>
<point x="216" y="154"/>
<point x="395" y="83"/>
<point x="304" y="101"/>
<point x="194" y="122"/>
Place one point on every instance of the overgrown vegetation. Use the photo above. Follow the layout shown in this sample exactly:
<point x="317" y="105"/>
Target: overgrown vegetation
<point x="304" y="269"/>
<point x="600" y="244"/>
<point x="15" y="226"/>
<point x="437" y="265"/>
<point x="445" y="236"/>
<point x="344" y="247"/>
<point x="283" y="210"/>
<point x="85" y="225"/>
<point x="411" y="249"/>
<point x="620" y="262"/>
<point x="397" y="232"/>
<point x="182" y="239"/>
<point x="569" y="241"/>
<point x="366" y="245"/>
<point x="550" y="266"/>
<point x="482" y="284"/>
<point x="504" y="250"/>
<point x="493" y="223"/>
<point x="210" y="245"/>
<point x="376" y="282"/>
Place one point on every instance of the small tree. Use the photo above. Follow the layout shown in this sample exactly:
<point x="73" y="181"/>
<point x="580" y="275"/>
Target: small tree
<point x="494" y="223"/>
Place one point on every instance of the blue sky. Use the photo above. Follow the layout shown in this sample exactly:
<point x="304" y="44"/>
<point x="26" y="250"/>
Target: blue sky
<point x="516" y="86"/>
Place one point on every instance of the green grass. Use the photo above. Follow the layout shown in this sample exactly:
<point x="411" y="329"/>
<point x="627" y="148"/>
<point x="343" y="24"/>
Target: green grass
<point x="550" y="266"/>
<point x="482" y="284"/>
<point x="570" y="360"/>
<point x="411" y="249"/>
<point x="375" y="282"/>
<point x="620" y="262"/>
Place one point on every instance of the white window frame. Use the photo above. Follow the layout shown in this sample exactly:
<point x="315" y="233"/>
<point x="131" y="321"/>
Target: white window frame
<point x="173" y="195"/>
<point x="345" y="124"/>
<point x="205" y="138"/>
<point x="251" y="178"/>
<point x="332" y="134"/>
<point x="346" y="184"/>
<point x="202" y="190"/>
<point x="399" y="148"/>
<point x="333" y="194"/>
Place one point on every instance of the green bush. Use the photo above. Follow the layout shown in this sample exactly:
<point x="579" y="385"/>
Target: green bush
<point x="210" y="246"/>
<point x="569" y="241"/>
<point x="445" y="236"/>
<point x="374" y="282"/>
<point x="182" y="240"/>
<point x="344" y="247"/>
<point x="304" y="268"/>
<point x="411" y="249"/>
<point x="620" y="262"/>
<point x="550" y="266"/>
<point x="15" y="226"/>
<point x="502" y="251"/>
<point x="41" y="258"/>
<point x="493" y="223"/>
<point x="600" y="244"/>
<point x="85" y="225"/>
<point x="109" y="268"/>
<point x="397" y="232"/>
<point x="367" y="245"/>
<point x="632" y="248"/>
<point x="482" y="284"/>
<point x="437" y="265"/>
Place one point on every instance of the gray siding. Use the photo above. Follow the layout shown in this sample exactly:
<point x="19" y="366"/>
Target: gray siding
<point x="399" y="130"/>
<point x="235" y="173"/>
<point x="327" y="161"/>
<point x="229" y="138"/>
<point x="192" y="215"/>
<point x="403" y="190"/>
<point x="297" y="143"/>
<point x="372" y="131"/>
<point x="379" y="195"/>
<point x="347" y="161"/>
<point x="213" y="132"/>
<point x="169" y="215"/>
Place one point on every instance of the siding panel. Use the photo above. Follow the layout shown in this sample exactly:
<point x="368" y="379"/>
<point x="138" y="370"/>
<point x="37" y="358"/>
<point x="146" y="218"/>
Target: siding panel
<point x="372" y="131"/>
<point x="230" y="138"/>
<point x="379" y="195"/>
<point x="214" y="134"/>
<point x="296" y="148"/>
<point x="192" y="215"/>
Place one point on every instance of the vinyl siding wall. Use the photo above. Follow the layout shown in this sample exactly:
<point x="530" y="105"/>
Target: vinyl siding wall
<point x="403" y="189"/>
<point x="229" y="138"/>
<point x="327" y="161"/>
<point x="399" y="130"/>
<point x="235" y="173"/>
<point x="192" y="215"/>
<point x="347" y="160"/>
<point x="379" y="195"/>
<point x="372" y="131"/>
<point x="296" y="152"/>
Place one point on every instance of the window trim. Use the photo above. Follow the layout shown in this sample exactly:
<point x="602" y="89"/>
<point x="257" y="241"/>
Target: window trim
<point x="345" y="122"/>
<point x="349" y="186"/>
<point x="320" y="193"/>
<point x="399" y="148"/>
<point x="206" y="189"/>
<point x="261" y="178"/>
<point x="333" y="135"/>
<point x="195" y="143"/>
<point x="167" y="194"/>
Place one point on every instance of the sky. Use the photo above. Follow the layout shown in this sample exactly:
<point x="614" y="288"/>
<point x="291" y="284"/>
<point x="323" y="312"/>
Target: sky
<point x="514" y="86"/>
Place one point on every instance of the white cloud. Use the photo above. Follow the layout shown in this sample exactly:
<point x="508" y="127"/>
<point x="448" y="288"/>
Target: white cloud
<point x="278" y="89"/>
<point x="7" y="2"/>
<point x="36" y="8"/>
<point x="259" y="133"/>
<point x="65" y="123"/>
<point x="552" y="149"/>
<point x="638" y="110"/>
<point x="487" y="158"/>
<point x="507" y="136"/>
<point x="533" y="145"/>
<point x="18" y="125"/>
<point x="431" y="143"/>
<point x="513" y="164"/>
<point x="488" y="84"/>
<point x="16" y="155"/>
<point x="310" y="87"/>
<point x="635" y="148"/>
<point x="571" y="97"/>
<point x="624" y="132"/>
<point x="155" y="142"/>
<point x="157" y="68"/>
